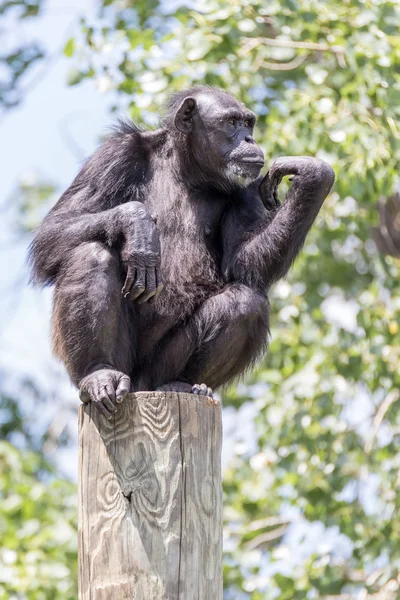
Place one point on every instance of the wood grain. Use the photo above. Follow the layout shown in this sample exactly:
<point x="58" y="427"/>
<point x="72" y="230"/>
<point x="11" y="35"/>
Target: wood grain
<point x="150" y="499"/>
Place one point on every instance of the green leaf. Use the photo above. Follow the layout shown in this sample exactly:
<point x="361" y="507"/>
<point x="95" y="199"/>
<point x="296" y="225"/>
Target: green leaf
<point x="75" y="76"/>
<point x="69" y="47"/>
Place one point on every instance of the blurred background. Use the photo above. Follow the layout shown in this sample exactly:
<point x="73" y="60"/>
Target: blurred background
<point x="311" y="451"/>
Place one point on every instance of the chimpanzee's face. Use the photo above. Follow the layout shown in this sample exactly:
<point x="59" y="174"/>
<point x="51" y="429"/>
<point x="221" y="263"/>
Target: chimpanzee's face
<point x="221" y="133"/>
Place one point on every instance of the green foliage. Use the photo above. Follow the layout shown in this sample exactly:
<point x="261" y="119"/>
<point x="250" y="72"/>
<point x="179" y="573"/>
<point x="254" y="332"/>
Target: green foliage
<point x="16" y="62"/>
<point x="24" y="8"/>
<point x="37" y="510"/>
<point x="37" y="529"/>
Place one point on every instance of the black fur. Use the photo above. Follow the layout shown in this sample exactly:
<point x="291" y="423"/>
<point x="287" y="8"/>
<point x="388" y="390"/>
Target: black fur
<point x="186" y="204"/>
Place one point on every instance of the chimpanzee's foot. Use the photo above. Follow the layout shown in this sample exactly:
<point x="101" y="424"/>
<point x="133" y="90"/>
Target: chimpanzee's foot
<point x="106" y="388"/>
<point x="176" y="386"/>
<point x="202" y="390"/>
<point x="187" y="388"/>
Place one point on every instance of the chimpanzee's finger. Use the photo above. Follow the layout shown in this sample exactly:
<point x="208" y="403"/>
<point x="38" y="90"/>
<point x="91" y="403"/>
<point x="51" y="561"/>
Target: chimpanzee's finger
<point x="295" y="165"/>
<point x="150" y="286"/>
<point x="283" y="166"/>
<point x="123" y="388"/>
<point x="107" y="402"/>
<point x="130" y="278"/>
<point x="159" y="286"/>
<point x="99" y="397"/>
<point x="102" y="409"/>
<point x="268" y="190"/>
<point x="160" y="283"/>
<point x="139" y="284"/>
<point x="110" y="392"/>
<point x="84" y="396"/>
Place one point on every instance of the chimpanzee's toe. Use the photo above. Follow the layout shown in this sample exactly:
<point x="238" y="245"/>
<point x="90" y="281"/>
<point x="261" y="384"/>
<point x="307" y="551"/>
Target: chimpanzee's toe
<point x="202" y="390"/>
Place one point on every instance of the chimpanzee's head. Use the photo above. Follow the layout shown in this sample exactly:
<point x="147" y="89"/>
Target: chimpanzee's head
<point x="216" y="131"/>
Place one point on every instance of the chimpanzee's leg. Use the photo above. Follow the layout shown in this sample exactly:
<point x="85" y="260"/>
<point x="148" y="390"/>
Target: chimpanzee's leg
<point x="233" y="341"/>
<point x="92" y="333"/>
<point x="225" y="336"/>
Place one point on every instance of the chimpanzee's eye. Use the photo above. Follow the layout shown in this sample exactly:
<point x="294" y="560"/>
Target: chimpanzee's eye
<point x="232" y="121"/>
<point x="246" y="123"/>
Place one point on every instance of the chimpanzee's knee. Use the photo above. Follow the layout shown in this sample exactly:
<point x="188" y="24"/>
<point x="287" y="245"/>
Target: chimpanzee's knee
<point x="93" y="257"/>
<point x="237" y="313"/>
<point x="249" y="304"/>
<point x="245" y="307"/>
<point x="91" y="268"/>
<point x="250" y="315"/>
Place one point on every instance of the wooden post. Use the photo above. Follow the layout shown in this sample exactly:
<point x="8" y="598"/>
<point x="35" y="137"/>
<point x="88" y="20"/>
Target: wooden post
<point x="150" y="499"/>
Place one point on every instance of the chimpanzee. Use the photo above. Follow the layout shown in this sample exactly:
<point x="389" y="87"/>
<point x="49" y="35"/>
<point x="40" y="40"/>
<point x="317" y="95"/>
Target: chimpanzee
<point x="164" y="247"/>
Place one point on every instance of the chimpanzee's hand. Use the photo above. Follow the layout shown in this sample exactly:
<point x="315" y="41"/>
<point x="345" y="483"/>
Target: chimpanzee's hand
<point x="309" y="173"/>
<point x="106" y="388"/>
<point x="140" y="254"/>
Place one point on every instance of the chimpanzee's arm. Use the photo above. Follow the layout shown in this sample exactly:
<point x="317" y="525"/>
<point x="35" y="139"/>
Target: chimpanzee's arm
<point x="266" y="253"/>
<point x="103" y="204"/>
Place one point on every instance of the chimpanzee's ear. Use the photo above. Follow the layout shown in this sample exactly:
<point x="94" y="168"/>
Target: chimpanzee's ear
<point x="184" y="115"/>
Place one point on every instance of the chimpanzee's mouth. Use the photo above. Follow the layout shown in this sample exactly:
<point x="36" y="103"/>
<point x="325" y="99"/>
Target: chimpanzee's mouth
<point x="252" y="161"/>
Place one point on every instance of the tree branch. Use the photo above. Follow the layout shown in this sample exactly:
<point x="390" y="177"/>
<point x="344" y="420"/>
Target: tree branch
<point x="252" y="43"/>
<point x="293" y="64"/>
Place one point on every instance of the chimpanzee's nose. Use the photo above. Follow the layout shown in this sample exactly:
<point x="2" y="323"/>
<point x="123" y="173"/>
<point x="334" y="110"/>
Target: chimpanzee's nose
<point x="249" y="139"/>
